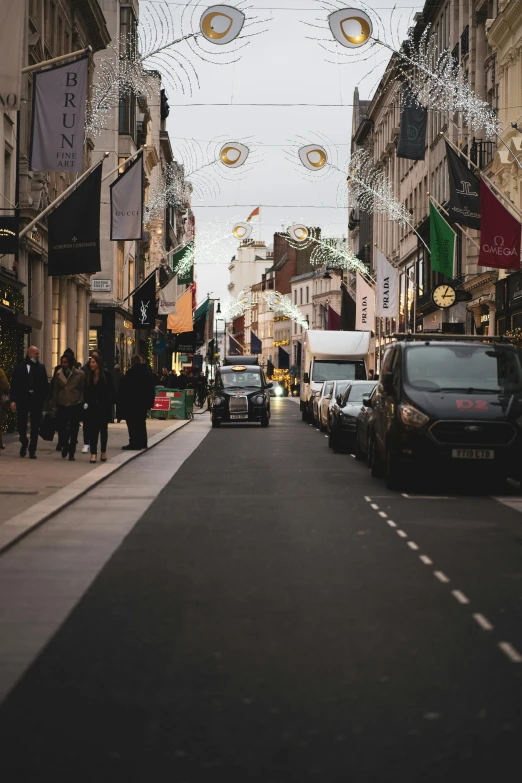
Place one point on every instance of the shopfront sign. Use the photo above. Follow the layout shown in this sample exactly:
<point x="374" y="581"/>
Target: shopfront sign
<point x="8" y="234"/>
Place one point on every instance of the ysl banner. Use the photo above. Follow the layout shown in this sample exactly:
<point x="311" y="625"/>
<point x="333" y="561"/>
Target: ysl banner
<point x="144" y="309"/>
<point x="57" y="132"/>
<point x="365" y="305"/>
<point x="127" y="203"/>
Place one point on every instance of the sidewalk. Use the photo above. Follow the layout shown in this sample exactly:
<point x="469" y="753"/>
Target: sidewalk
<point x="24" y="482"/>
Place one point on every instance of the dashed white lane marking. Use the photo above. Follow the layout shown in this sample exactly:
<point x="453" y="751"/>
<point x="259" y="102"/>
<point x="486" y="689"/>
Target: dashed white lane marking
<point x="441" y="576"/>
<point x="368" y="500"/>
<point x="412" y="545"/>
<point x="461" y="598"/>
<point x="425" y="559"/>
<point x="426" y="497"/>
<point x="483" y="622"/>
<point x="401" y="533"/>
<point x="374" y="506"/>
<point x="510" y="652"/>
<point x="391" y="524"/>
<point x="383" y="514"/>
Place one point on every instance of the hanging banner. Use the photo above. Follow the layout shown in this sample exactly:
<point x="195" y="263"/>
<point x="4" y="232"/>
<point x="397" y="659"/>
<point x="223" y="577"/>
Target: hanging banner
<point x="334" y="320"/>
<point x="283" y="359"/>
<point x="181" y="320"/>
<point x="442" y="243"/>
<point x="127" y="203"/>
<point x="347" y="311"/>
<point x="387" y="291"/>
<point x="12" y="23"/>
<point x="256" y="346"/>
<point x="144" y="309"/>
<point x="57" y="131"/>
<point x="500" y="234"/>
<point x="464" y="205"/>
<point x="8" y="234"/>
<point x="234" y="347"/>
<point x="412" y="135"/>
<point x="365" y="305"/>
<point x="185" y="343"/>
<point x="167" y="298"/>
<point x="74" y="230"/>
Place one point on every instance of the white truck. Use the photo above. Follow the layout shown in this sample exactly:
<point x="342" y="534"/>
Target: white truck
<point x="330" y="356"/>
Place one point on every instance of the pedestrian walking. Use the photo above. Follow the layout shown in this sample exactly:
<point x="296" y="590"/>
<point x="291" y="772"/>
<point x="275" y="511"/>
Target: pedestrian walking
<point x="67" y="404"/>
<point x="68" y="352"/>
<point x="116" y="383"/>
<point x="4" y="403"/>
<point x="182" y="380"/>
<point x="28" y="394"/>
<point x="201" y="387"/>
<point x="86" y="438"/>
<point x="137" y="394"/>
<point x="99" y="398"/>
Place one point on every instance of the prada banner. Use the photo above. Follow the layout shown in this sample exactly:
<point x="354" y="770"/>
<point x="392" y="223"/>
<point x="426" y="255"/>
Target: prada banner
<point x="127" y="203"/>
<point x="8" y="234"/>
<point x="464" y="206"/>
<point x="12" y="19"/>
<point x="365" y="305"/>
<point x="57" y="132"/>
<point x="74" y="230"/>
<point x="144" y="309"/>
<point x="387" y="293"/>
<point x="412" y="135"/>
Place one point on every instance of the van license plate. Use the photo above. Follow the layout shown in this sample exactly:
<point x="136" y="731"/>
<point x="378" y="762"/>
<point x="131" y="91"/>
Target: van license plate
<point x="238" y="416"/>
<point x="472" y="454"/>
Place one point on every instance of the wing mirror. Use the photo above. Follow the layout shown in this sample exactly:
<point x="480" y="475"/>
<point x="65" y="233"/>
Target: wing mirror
<point x="269" y="385"/>
<point x="338" y="399"/>
<point x="367" y="400"/>
<point x="306" y="378"/>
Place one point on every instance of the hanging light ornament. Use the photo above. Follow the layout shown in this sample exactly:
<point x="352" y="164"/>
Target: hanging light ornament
<point x="233" y="154"/>
<point x="221" y="24"/>
<point x="313" y="157"/>
<point x="242" y="231"/>
<point x="350" y="27"/>
<point x="236" y="307"/>
<point x="281" y="303"/>
<point x="326" y="252"/>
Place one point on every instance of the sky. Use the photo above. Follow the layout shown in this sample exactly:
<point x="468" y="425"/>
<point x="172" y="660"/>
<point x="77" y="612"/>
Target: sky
<point x="280" y="66"/>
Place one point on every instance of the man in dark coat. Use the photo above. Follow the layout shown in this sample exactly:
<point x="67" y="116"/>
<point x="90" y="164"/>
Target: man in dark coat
<point x="137" y="392"/>
<point x="29" y="387"/>
<point x="182" y="380"/>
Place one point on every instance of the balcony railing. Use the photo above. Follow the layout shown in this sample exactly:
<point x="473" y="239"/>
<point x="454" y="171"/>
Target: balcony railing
<point x="464" y="41"/>
<point x="481" y="152"/>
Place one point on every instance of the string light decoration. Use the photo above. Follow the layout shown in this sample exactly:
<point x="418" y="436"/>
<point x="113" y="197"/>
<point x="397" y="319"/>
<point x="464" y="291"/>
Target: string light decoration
<point x="331" y="252"/>
<point x="170" y="40"/>
<point x="173" y="191"/>
<point x="372" y="191"/>
<point x="234" y="307"/>
<point x="281" y="303"/>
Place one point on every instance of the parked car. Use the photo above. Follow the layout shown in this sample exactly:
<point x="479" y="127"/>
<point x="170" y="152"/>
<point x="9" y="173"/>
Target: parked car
<point x="327" y="403"/>
<point x="447" y="404"/>
<point x="344" y="415"/>
<point x="326" y="391"/>
<point x="363" y="426"/>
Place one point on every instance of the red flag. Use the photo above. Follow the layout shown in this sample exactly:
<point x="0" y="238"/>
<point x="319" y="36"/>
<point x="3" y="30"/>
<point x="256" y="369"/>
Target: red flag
<point x="334" y="320"/>
<point x="255" y="213"/>
<point x="499" y="235"/>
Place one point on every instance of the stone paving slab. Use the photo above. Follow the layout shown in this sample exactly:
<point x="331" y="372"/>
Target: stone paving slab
<point x="44" y="486"/>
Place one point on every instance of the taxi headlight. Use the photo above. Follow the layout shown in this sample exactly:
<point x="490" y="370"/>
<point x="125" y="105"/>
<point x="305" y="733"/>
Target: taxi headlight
<point x="278" y="391"/>
<point x="259" y="399"/>
<point x="218" y="400"/>
<point x="412" y="417"/>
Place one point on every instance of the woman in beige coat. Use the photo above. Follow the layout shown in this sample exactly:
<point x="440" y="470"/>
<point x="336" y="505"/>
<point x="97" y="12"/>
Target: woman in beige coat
<point x="67" y="404"/>
<point x="4" y="403"/>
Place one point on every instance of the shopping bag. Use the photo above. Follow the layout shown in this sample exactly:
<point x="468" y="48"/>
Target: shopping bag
<point x="47" y="427"/>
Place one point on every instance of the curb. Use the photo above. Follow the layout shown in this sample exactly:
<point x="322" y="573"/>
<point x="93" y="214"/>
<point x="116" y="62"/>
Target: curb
<point x="24" y="523"/>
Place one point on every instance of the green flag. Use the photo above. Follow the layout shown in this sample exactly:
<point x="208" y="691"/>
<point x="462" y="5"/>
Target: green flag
<point x="183" y="263"/>
<point x="442" y="243"/>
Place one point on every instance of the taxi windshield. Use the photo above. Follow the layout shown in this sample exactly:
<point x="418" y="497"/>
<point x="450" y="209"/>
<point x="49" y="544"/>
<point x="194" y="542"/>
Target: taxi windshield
<point x="240" y="380"/>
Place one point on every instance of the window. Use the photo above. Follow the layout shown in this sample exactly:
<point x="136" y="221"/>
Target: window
<point x="121" y="260"/>
<point x="295" y="295"/>
<point x="301" y="295"/>
<point x="7" y="178"/>
<point x="307" y="295"/>
<point x="128" y="48"/>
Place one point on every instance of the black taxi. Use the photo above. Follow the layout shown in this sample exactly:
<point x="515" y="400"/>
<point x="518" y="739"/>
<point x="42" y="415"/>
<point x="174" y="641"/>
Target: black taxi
<point x="240" y="392"/>
<point x="447" y="403"/>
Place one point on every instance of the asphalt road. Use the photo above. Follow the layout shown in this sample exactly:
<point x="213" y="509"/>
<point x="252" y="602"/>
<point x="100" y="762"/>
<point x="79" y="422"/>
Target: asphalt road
<point x="278" y="616"/>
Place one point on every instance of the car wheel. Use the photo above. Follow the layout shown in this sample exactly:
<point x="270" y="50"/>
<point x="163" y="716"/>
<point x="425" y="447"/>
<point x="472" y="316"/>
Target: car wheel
<point x="394" y="471"/>
<point x="359" y="453"/>
<point x="265" y="421"/>
<point x="376" y="466"/>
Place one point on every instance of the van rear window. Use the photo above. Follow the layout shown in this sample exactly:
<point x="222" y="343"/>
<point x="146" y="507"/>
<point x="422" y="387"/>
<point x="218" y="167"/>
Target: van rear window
<point x="326" y="370"/>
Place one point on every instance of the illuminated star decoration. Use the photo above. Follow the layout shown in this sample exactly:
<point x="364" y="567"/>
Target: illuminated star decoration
<point x="281" y="303"/>
<point x="170" y="39"/>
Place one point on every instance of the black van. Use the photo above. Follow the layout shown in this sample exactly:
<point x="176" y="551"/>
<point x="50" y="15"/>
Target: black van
<point x="240" y="392"/>
<point x="447" y="403"/>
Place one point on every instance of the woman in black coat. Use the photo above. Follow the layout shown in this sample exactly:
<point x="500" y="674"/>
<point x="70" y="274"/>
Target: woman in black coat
<point x="137" y="392"/>
<point x="99" y="398"/>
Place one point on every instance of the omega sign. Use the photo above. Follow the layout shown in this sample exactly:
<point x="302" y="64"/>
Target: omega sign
<point x="498" y="248"/>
